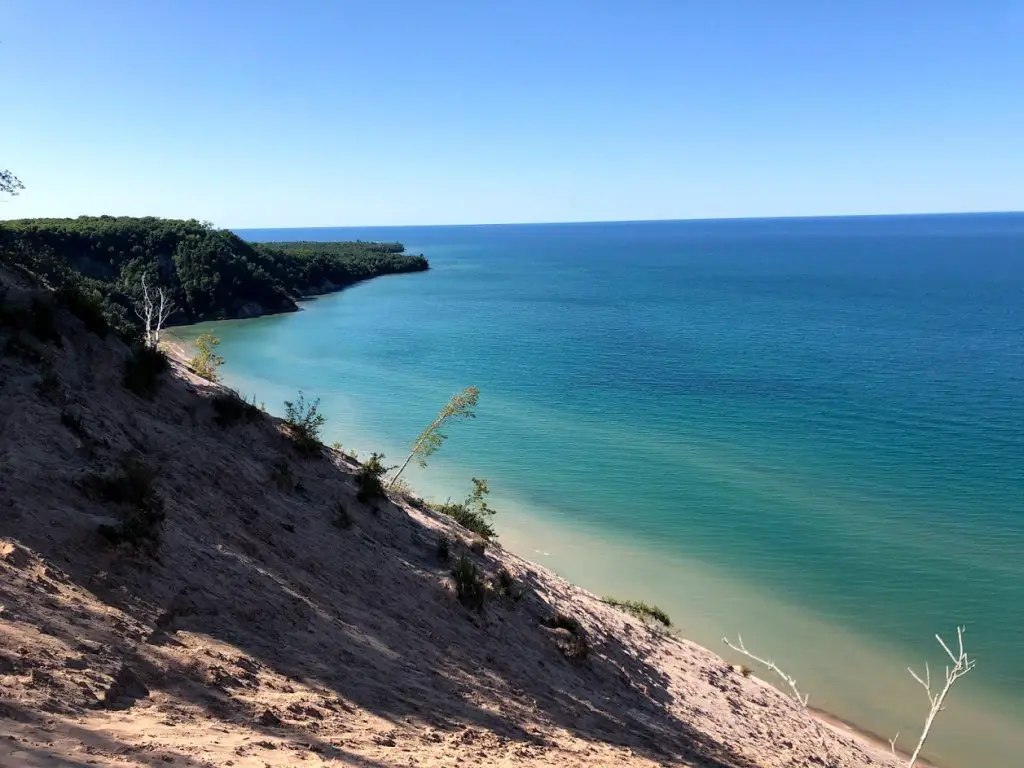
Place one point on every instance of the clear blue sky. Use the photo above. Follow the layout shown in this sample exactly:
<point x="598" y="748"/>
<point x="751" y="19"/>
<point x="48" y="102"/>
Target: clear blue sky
<point x="384" y="112"/>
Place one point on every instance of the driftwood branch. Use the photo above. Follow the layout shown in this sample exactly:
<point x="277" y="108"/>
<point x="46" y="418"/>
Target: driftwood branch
<point x="961" y="666"/>
<point x="790" y="681"/>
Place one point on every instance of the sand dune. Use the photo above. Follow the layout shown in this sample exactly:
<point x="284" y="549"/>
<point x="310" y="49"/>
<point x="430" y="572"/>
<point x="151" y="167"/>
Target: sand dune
<point x="265" y="631"/>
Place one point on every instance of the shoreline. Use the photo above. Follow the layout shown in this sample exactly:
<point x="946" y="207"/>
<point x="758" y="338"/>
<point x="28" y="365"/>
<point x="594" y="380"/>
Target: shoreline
<point x="177" y="350"/>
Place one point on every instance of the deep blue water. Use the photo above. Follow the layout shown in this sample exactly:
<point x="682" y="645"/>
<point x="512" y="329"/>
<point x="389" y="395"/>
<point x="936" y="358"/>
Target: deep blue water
<point x="827" y="410"/>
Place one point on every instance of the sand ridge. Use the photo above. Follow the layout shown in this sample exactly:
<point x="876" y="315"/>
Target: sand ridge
<point x="273" y="629"/>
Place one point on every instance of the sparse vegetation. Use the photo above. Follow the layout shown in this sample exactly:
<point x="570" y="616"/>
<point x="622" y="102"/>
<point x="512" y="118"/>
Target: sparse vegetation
<point x="35" y="315"/>
<point x="400" y="488"/>
<point x="143" y="368"/>
<point x="342" y="518"/>
<point x="461" y="406"/>
<point x="641" y="610"/>
<point x="132" y="485"/>
<point x="369" y="480"/>
<point x="281" y="474"/>
<point x="478" y="545"/>
<point x="73" y="421"/>
<point x="304" y="422"/>
<point x="42" y="321"/>
<point x="573" y="639"/>
<point x="473" y="514"/>
<point x="49" y="383"/>
<point x="469" y="586"/>
<point x="444" y="547"/>
<point x="505" y="586"/>
<point x="87" y="305"/>
<point x="18" y="346"/>
<point x="206" y="361"/>
<point x="230" y="408"/>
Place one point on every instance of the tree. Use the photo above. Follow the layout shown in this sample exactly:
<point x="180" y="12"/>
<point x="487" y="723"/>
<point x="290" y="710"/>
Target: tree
<point x="10" y="183"/>
<point x="207" y="361"/>
<point x="432" y="438"/>
<point x="152" y="315"/>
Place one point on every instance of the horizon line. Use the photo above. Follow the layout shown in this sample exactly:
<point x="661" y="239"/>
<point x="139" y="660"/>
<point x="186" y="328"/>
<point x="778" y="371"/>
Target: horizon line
<point x="919" y="214"/>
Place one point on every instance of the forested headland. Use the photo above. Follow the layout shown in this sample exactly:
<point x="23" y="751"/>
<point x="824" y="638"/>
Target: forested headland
<point x="99" y="263"/>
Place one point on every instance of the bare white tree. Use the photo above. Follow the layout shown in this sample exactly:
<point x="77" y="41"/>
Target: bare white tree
<point x="153" y="315"/>
<point x="961" y="666"/>
<point x="790" y="681"/>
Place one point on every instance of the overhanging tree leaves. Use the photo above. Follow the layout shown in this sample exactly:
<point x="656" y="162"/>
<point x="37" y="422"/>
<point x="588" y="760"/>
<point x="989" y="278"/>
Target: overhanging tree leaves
<point x="432" y="438"/>
<point x="10" y="183"/>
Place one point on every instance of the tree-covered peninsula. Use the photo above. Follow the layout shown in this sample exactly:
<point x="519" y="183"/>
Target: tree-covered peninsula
<point x="99" y="262"/>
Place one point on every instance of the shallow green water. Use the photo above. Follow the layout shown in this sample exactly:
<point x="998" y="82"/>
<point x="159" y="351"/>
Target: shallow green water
<point x="807" y="431"/>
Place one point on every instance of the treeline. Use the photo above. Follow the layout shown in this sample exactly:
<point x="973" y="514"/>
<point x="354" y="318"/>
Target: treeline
<point x="210" y="273"/>
<point x="313" y="267"/>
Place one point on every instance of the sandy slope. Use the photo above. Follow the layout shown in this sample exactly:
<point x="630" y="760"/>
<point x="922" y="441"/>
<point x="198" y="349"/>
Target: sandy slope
<point x="265" y="635"/>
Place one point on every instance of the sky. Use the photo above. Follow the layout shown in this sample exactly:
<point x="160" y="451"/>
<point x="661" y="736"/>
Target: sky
<point x="388" y="112"/>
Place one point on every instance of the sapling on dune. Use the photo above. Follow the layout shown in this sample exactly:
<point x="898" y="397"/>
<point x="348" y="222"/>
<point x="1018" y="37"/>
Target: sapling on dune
<point x="207" y="361"/>
<point x="432" y="438"/>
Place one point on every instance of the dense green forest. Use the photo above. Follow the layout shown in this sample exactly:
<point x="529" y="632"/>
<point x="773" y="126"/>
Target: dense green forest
<point x="210" y="273"/>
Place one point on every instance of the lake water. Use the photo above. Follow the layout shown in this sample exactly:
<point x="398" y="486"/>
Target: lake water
<point x="807" y="431"/>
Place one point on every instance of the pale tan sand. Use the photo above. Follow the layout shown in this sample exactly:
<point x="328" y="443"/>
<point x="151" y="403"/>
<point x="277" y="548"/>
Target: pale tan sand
<point x="264" y="635"/>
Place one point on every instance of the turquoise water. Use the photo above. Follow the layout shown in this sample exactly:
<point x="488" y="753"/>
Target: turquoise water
<point x="808" y="431"/>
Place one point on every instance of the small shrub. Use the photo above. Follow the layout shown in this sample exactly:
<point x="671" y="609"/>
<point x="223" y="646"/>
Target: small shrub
<point x="207" y="361"/>
<point x="342" y="519"/>
<point x="369" y="480"/>
<point x="42" y="322"/>
<point x="478" y="545"/>
<point x="474" y="513"/>
<point x="444" y="547"/>
<point x="281" y="474"/>
<point x="143" y="368"/>
<point x="641" y="610"/>
<point x="73" y="421"/>
<point x="18" y="346"/>
<point x="469" y="587"/>
<point x="574" y="646"/>
<point x="49" y="383"/>
<point x="400" y="488"/>
<point x="304" y="422"/>
<point x="231" y="408"/>
<point x="132" y="486"/>
<point x="87" y="307"/>
<point x="506" y="586"/>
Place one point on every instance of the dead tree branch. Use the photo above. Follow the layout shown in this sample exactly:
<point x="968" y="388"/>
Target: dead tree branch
<point x="790" y="681"/>
<point x="961" y="666"/>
